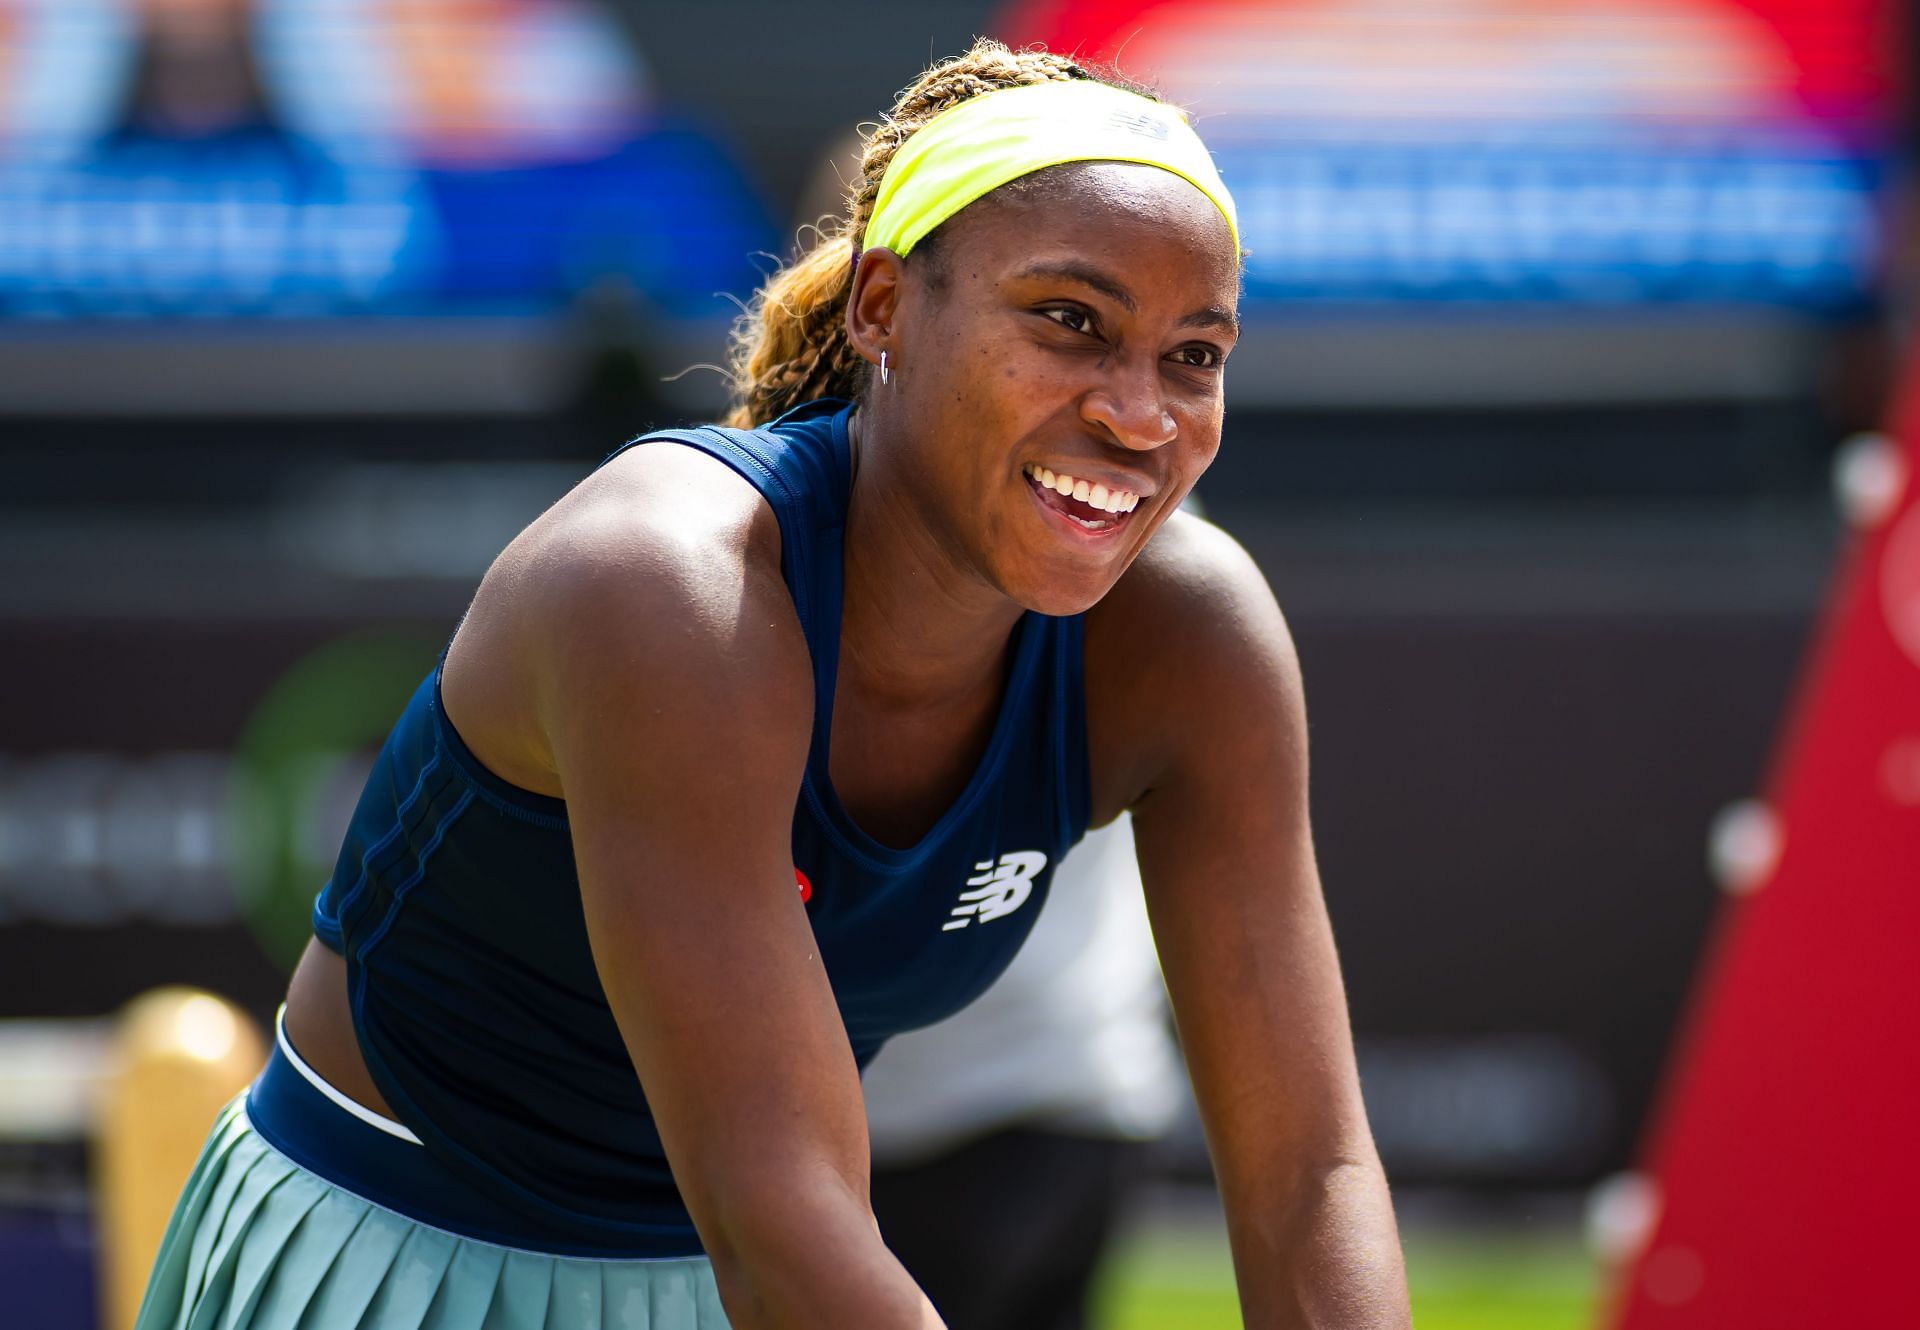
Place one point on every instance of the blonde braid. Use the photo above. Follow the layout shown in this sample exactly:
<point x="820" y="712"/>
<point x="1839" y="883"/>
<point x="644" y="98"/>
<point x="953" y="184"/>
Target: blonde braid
<point x="791" y="344"/>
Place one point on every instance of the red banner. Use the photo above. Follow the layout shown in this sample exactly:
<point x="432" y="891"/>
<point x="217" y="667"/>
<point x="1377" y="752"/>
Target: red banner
<point x="1833" y="57"/>
<point x="1786" y="1161"/>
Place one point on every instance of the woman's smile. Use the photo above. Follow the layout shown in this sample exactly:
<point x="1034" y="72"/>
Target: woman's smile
<point x="1079" y="507"/>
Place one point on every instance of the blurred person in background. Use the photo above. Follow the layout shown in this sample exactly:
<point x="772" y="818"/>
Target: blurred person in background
<point x="605" y="846"/>
<point x="192" y="184"/>
<point x="195" y="75"/>
<point x="214" y="202"/>
<point x="461" y="88"/>
<point x="237" y="158"/>
<point x="1008" y="1138"/>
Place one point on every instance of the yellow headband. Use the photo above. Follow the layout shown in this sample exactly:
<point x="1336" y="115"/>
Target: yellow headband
<point x="971" y="149"/>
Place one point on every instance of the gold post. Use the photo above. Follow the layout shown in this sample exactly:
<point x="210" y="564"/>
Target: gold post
<point x="179" y="1055"/>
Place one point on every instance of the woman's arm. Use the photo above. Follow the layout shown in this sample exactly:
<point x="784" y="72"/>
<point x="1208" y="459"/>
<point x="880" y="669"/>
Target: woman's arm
<point x="1227" y="856"/>
<point x="672" y="685"/>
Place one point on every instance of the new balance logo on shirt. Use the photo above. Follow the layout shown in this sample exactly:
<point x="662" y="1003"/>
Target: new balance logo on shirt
<point x="996" y="889"/>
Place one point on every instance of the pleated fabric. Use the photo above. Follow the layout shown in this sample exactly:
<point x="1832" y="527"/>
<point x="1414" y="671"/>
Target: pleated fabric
<point x="259" y="1243"/>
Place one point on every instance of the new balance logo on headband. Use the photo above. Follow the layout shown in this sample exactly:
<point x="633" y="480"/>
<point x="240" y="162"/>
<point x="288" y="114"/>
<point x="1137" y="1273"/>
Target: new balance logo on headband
<point x="971" y="149"/>
<point x="1152" y="126"/>
<point x="996" y="889"/>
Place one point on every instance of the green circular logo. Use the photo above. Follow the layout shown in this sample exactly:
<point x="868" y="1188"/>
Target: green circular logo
<point x="298" y="769"/>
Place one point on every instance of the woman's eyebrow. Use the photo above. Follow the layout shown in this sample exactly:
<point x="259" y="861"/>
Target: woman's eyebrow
<point x="1097" y="279"/>
<point x="1086" y="275"/>
<point x="1213" y="316"/>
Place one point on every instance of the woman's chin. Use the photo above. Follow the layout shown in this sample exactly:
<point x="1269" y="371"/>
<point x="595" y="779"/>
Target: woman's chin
<point x="1060" y="596"/>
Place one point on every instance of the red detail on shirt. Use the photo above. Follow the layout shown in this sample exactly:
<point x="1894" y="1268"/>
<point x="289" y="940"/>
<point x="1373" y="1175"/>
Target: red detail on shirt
<point x="806" y="887"/>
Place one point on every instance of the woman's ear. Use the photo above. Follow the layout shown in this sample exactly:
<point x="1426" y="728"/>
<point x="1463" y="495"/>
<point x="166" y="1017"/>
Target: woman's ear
<point x="871" y="306"/>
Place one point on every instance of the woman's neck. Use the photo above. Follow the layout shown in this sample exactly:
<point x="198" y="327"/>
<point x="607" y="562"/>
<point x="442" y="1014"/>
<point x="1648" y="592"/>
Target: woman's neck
<point x="918" y="625"/>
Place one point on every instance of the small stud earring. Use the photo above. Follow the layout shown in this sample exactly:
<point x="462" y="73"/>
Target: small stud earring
<point x="883" y="368"/>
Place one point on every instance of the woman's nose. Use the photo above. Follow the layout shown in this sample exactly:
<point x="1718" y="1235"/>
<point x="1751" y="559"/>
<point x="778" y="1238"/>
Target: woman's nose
<point x="1129" y="405"/>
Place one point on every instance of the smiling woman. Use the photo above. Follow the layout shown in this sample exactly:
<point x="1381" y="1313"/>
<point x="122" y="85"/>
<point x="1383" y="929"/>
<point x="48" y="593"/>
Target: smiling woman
<point x="569" y="1048"/>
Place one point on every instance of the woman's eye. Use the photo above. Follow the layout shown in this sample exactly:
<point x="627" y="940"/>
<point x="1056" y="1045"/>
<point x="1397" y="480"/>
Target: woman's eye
<point x="1198" y="357"/>
<point x="1075" y="320"/>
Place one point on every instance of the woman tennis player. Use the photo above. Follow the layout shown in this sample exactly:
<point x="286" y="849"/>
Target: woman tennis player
<point x="760" y="746"/>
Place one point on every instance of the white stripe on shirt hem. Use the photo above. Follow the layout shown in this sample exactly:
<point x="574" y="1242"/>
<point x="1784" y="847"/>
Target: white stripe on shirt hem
<point x="313" y="1078"/>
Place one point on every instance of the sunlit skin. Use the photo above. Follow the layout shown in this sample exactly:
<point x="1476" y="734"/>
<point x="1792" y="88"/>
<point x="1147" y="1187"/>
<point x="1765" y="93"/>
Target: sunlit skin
<point x="636" y="652"/>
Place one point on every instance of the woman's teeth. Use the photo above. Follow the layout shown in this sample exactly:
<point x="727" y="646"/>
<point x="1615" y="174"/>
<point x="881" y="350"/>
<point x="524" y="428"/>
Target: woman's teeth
<point x="1096" y="496"/>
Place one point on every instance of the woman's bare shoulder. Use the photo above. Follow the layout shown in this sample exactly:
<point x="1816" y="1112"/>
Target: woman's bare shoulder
<point x="1193" y="598"/>
<point x="1188" y="649"/>
<point x="660" y="507"/>
<point x="654" y="568"/>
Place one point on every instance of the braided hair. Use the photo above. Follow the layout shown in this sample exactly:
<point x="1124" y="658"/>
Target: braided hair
<point x="791" y="344"/>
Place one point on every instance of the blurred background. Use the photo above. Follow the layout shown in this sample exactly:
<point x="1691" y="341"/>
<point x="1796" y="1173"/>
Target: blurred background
<point x="1558" y="315"/>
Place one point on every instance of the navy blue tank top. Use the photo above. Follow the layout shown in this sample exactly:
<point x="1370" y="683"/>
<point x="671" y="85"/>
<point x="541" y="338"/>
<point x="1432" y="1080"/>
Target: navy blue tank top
<point x="456" y="903"/>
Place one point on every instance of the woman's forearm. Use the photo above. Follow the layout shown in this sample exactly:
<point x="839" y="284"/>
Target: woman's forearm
<point x="815" y="1262"/>
<point x="1324" y="1253"/>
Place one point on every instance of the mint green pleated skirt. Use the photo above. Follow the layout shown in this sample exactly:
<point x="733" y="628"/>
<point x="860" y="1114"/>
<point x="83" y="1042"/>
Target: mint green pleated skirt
<point x="260" y="1243"/>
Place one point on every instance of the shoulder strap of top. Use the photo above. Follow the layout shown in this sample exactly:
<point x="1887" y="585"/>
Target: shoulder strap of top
<point x="799" y="466"/>
<point x="798" y="462"/>
<point x="754" y="453"/>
